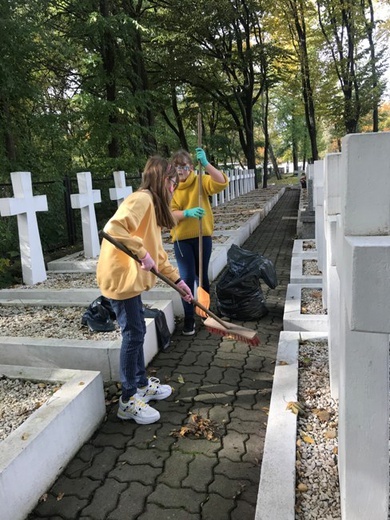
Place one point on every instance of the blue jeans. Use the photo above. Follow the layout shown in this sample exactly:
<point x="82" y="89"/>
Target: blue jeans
<point x="130" y="317"/>
<point x="187" y="257"/>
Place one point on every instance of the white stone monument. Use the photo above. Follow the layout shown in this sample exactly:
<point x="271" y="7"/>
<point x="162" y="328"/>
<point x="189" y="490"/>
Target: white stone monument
<point x="318" y="201"/>
<point x="121" y="191"/>
<point x="330" y="280"/>
<point x="85" y="200"/>
<point x="363" y="260"/>
<point x="25" y="206"/>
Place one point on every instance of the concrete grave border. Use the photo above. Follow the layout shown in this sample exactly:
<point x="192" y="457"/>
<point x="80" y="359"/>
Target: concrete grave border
<point x="276" y="493"/>
<point x="293" y="319"/>
<point x="54" y="432"/>
<point x="296" y="273"/>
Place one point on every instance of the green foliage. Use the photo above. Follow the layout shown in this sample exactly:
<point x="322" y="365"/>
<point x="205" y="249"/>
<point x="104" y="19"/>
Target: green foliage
<point x="99" y="86"/>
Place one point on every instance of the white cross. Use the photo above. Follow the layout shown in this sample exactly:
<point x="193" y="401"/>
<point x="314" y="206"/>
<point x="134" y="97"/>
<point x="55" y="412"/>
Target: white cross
<point x="85" y="200"/>
<point x="25" y="206"/>
<point x="121" y="191"/>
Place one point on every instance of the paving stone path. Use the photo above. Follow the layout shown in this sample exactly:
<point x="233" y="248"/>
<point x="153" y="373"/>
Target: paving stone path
<point x="127" y="471"/>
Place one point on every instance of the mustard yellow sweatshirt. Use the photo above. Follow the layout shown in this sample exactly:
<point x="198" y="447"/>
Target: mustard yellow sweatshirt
<point x="186" y="196"/>
<point x="134" y="224"/>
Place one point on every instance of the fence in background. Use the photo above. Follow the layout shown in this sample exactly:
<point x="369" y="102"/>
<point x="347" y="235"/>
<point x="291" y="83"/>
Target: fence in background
<point x="60" y="226"/>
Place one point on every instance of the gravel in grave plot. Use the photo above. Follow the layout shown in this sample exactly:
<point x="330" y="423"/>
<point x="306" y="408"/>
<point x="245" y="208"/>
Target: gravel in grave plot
<point x="19" y="399"/>
<point x="311" y="301"/>
<point x="63" y="281"/>
<point x="310" y="267"/>
<point x="317" y="484"/>
<point x="49" y="322"/>
<point x="309" y="245"/>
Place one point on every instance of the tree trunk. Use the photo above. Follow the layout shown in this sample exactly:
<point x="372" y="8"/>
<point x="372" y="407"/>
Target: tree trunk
<point x="9" y="141"/>
<point x="108" y="59"/>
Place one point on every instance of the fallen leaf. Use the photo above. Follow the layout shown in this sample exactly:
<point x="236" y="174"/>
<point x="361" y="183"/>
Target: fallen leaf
<point x="330" y="434"/>
<point x="295" y="407"/>
<point x="60" y="496"/>
<point x="308" y="439"/>
<point x="198" y="427"/>
<point x="180" y="379"/>
<point x="81" y="383"/>
<point x="282" y="363"/>
<point x="43" y="498"/>
<point x="323" y="415"/>
<point x="302" y="487"/>
<point x="25" y="436"/>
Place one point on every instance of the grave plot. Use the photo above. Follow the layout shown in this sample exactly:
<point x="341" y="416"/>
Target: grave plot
<point x="304" y="248"/>
<point x="52" y="336"/>
<point x="304" y="270"/>
<point x="299" y="477"/>
<point x="36" y="452"/>
<point x="298" y="315"/>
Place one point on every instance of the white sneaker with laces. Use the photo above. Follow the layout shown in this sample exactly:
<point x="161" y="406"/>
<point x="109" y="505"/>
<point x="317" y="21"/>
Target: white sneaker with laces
<point x="154" y="391"/>
<point x="137" y="410"/>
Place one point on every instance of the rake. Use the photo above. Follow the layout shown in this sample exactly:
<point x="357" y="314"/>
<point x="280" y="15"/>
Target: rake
<point x="213" y="323"/>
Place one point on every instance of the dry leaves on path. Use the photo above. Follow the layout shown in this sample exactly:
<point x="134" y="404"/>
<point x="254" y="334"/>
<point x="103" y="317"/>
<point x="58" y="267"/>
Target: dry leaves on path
<point x="198" y="427"/>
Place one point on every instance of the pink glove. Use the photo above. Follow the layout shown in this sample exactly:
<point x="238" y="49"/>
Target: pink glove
<point x="184" y="287"/>
<point x="148" y="263"/>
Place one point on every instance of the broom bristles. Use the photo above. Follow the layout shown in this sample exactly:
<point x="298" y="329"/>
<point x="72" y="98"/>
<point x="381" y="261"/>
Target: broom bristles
<point x="232" y="331"/>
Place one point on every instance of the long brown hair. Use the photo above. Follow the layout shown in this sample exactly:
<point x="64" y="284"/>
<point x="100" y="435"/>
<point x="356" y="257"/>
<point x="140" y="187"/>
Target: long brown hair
<point x="181" y="157"/>
<point x="156" y="170"/>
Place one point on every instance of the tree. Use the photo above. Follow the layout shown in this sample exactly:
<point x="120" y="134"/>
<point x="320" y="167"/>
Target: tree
<point x="223" y="57"/>
<point x="346" y="29"/>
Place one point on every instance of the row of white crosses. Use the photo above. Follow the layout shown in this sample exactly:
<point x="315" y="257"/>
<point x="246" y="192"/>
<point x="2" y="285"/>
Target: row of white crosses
<point x="352" y="205"/>
<point x="25" y="206"/>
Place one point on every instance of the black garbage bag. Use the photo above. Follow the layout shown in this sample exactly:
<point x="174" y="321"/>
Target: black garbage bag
<point x="99" y="316"/>
<point x="239" y="294"/>
<point x="163" y="334"/>
<point x="268" y="272"/>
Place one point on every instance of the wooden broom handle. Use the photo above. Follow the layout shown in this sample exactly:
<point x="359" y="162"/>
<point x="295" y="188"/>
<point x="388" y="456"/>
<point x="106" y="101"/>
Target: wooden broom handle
<point x="200" y="200"/>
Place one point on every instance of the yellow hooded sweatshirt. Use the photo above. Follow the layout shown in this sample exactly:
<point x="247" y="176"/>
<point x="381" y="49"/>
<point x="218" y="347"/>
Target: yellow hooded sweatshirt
<point x="134" y="224"/>
<point x="186" y="196"/>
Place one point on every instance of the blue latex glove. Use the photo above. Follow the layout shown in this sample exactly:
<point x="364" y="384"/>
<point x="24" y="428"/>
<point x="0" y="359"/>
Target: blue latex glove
<point x="201" y="156"/>
<point x="194" y="212"/>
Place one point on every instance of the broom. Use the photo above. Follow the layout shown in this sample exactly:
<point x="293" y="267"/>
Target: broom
<point x="202" y="295"/>
<point x="213" y="323"/>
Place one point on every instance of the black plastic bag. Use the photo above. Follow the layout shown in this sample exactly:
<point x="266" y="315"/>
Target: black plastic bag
<point x="163" y="334"/>
<point x="99" y="316"/>
<point x="239" y="294"/>
<point x="268" y="272"/>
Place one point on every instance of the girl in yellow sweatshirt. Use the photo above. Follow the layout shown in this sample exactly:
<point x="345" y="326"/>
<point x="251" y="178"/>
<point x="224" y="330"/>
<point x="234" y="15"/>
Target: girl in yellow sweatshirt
<point x="137" y="224"/>
<point x="186" y="209"/>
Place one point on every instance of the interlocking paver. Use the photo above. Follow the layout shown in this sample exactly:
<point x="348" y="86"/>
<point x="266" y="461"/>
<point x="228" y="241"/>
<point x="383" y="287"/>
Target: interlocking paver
<point x="176" y="469"/>
<point x="106" y="499"/>
<point x="128" y="471"/>
<point x="200" y="473"/>
<point x="184" y="498"/>
<point x="131" y="502"/>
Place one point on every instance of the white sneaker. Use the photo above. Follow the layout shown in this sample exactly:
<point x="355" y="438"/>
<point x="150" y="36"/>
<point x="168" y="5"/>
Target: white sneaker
<point x="154" y="391"/>
<point x="138" y="410"/>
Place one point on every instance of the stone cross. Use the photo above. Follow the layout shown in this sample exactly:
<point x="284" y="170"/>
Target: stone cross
<point x="330" y="277"/>
<point x="121" y="191"/>
<point x="25" y="206"/>
<point x="318" y="201"/>
<point x="363" y="260"/>
<point x="85" y="201"/>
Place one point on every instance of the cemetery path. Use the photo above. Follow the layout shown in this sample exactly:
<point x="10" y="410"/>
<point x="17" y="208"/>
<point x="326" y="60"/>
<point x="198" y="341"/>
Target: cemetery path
<point x="158" y="472"/>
